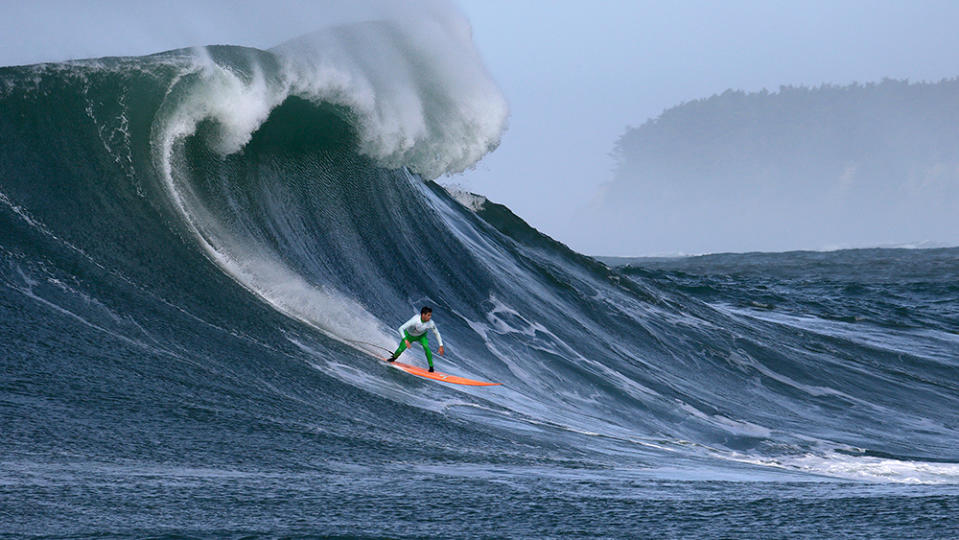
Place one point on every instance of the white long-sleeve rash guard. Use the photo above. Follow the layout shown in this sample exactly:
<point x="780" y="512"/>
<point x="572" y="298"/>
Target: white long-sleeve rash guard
<point x="417" y="328"/>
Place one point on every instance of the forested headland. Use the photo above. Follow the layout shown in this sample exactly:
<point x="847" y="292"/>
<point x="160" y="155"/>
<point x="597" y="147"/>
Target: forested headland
<point x="829" y="165"/>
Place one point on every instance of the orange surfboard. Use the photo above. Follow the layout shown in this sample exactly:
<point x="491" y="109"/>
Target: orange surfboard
<point x="439" y="376"/>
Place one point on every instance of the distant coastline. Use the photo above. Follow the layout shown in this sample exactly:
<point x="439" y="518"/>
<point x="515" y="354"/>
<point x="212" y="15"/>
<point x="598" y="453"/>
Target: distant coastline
<point x="847" y="166"/>
<point x="615" y="261"/>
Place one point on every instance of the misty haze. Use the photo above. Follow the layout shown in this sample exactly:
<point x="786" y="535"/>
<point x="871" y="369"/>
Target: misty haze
<point x="230" y="249"/>
<point x="801" y="168"/>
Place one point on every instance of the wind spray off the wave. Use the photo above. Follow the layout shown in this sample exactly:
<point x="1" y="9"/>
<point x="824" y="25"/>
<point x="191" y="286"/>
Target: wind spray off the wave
<point x="416" y="96"/>
<point x="202" y="251"/>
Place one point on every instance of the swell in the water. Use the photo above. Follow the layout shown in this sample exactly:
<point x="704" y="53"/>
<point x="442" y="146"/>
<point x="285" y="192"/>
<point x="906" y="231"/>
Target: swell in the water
<point x="412" y="96"/>
<point x="145" y="199"/>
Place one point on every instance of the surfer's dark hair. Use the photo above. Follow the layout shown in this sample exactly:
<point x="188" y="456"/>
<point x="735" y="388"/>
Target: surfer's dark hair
<point x="425" y="310"/>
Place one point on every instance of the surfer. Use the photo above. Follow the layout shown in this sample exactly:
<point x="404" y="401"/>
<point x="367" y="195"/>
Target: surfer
<point x="415" y="330"/>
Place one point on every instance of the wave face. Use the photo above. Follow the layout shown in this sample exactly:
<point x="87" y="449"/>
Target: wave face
<point x="203" y="251"/>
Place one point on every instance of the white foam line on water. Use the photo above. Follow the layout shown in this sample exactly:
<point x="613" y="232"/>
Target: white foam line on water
<point x="861" y="468"/>
<point x="859" y="333"/>
<point x="155" y="348"/>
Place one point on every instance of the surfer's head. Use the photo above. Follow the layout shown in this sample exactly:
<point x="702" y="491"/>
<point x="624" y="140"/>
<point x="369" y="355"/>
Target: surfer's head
<point x="426" y="313"/>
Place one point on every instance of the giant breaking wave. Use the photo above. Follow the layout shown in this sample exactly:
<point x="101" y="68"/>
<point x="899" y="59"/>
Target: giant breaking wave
<point x="219" y="241"/>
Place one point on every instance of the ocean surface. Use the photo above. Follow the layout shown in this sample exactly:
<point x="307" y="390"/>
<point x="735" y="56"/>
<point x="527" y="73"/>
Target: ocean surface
<point x="204" y="252"/>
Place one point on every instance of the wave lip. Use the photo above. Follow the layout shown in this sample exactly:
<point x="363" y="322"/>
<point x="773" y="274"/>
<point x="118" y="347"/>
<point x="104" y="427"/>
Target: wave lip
<point x="416" y="92"/>
<point x="332" y="239"/>
<point x="421" y="95"/>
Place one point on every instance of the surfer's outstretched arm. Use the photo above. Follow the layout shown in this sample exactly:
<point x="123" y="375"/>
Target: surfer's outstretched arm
<point x="439" y="338"/>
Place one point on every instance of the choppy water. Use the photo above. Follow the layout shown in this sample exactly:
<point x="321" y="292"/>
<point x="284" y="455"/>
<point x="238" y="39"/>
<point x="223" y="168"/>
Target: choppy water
<point x="203" y="252"/>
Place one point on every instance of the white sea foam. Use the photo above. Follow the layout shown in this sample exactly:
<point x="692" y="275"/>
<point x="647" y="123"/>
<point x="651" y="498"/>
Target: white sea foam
<point x="417" y="90"/>
<point x="419" y="98"/>
<point x="472" y="201"/>
<point x="866" y="468"/>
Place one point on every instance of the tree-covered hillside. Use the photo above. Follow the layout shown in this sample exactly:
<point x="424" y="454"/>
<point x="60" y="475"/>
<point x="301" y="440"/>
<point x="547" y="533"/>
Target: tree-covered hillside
<point x="801" y="167"/>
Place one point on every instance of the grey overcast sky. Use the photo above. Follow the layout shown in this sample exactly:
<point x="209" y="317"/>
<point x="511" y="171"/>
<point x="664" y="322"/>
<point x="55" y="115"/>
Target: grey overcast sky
<point x="575" y="73"/>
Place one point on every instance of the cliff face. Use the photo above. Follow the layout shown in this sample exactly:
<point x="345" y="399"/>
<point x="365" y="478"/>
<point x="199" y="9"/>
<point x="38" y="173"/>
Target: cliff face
<point x="798" y="168"/>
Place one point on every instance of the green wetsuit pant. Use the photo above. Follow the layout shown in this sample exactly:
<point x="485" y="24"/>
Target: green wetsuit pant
<point x="423" y="341"/>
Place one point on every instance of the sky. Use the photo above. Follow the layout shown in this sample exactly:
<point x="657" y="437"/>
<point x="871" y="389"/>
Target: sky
<point x="575" y="73"/>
